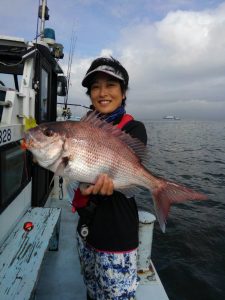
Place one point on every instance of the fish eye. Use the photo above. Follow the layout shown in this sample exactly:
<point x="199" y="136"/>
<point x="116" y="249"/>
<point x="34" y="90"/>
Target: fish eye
<point x="48" y="132"/>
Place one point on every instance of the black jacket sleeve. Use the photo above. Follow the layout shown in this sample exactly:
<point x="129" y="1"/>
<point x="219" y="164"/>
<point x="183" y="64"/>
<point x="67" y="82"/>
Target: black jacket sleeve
<point x="137" y="130"/>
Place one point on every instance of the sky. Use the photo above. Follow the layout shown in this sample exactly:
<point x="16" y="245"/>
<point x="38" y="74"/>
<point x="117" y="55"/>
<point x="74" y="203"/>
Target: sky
<point x="174" y="51"/>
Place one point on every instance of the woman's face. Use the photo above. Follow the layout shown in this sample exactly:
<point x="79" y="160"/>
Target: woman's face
<point x="106" y="94"/>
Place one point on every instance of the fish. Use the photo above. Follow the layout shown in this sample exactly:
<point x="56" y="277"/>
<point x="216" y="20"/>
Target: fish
<point x="82" y="150"/>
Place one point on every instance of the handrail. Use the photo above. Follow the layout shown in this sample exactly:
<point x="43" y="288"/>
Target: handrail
<point x="6" y="103"/>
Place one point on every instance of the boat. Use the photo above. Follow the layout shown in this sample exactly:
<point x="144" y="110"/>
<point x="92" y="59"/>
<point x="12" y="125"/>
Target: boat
<point x="171" y="117"/>
<point x="31" y="79"/>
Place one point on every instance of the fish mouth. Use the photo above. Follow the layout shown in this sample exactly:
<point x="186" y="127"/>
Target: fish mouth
<point x="23" y="144"/>
<point x="26" y="144"/>
<point x="29" y="141"/>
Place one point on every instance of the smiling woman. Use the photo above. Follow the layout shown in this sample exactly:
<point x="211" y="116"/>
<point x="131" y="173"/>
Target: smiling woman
<point x="106" y="94"/>
<point x="107" y="82"/>
<point x="111" y="67"/>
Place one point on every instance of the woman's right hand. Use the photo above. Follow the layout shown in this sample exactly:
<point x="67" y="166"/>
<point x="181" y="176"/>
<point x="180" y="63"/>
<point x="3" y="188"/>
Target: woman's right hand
<point x="104" y="186"/>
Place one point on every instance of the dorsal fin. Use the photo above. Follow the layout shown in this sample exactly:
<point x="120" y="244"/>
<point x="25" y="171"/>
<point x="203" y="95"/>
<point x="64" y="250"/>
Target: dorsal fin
<point x="97" y="120"/>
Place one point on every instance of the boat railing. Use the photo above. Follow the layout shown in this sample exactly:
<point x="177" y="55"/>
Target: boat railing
<point x="6" y="103"/>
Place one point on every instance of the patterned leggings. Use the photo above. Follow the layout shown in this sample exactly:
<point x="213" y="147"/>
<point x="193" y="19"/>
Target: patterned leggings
<point x="108" y="276"/>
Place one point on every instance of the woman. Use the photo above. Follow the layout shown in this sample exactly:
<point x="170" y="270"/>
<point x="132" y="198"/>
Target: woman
<point x="108" y="224"/>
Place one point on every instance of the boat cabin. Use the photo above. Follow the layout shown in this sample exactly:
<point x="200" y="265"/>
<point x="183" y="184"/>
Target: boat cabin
<point x="30" y="80"/>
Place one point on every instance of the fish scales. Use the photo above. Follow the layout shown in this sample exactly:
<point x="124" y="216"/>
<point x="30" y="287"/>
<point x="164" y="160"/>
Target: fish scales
<point x="102" y="157"/>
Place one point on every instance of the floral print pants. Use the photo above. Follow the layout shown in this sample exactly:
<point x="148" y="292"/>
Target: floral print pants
<point x="108" y="276"/>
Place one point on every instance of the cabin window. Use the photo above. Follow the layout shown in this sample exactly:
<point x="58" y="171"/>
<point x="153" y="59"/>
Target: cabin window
<point x="10" y="81"/>
<point x="44" y="94"/>
<point x="14" y="174"/>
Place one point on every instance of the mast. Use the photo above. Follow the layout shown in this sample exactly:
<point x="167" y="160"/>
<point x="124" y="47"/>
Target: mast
<point x="43" y="15"/>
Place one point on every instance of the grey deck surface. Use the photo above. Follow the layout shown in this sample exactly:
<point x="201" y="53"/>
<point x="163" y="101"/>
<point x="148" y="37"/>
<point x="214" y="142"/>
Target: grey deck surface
<point x="59" y="277"/>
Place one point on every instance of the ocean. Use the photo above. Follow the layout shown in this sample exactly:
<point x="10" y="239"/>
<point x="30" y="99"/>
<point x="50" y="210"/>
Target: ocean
<point x="190" y="256"/>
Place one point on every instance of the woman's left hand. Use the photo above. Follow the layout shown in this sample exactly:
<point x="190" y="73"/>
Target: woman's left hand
<point x="103" y="186"/>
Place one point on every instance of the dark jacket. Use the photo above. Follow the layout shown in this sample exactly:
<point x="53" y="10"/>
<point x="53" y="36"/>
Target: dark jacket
<point x="113" y="220"/>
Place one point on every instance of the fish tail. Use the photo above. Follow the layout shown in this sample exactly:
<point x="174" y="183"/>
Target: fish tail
<point x="166" y="193"/>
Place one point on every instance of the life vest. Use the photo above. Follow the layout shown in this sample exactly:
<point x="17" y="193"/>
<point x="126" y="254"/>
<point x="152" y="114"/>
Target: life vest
<point x="125" y="119"/>
<point x="79" y="200"/>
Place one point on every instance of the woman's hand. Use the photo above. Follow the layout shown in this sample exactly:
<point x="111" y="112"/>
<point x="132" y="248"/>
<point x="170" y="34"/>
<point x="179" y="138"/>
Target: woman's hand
<point x="104" y="186"/>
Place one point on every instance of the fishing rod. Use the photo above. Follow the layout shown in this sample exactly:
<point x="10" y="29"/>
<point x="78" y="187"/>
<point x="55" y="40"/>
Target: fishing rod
<point x="73" y="104"/>
<point x="71" y="53"/>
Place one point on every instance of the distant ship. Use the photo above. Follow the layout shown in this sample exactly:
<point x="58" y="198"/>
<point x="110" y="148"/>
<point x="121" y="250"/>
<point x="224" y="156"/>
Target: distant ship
<point x="171" y="118"/>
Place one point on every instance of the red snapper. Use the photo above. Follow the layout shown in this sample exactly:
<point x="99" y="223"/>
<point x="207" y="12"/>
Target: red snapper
<point x="82" y="150"/>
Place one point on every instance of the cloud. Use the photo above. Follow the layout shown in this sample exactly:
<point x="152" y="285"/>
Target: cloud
<point x="176" y="65"/>
<point x="177" y="60"/>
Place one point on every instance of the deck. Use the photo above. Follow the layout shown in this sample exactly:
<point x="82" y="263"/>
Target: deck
<point x="60" y="277"/>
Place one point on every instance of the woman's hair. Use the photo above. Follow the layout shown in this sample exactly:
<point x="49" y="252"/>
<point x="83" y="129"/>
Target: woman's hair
<point x="116" y="65"/>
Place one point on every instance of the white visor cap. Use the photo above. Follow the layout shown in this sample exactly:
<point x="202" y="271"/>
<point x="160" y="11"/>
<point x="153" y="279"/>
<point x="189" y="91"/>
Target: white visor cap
<point x="105" y="69"/>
